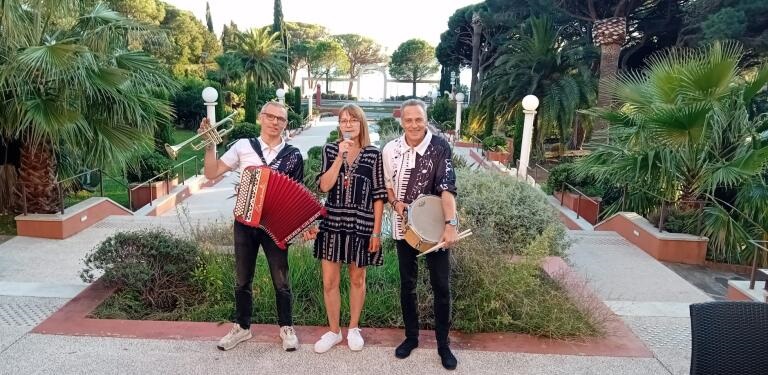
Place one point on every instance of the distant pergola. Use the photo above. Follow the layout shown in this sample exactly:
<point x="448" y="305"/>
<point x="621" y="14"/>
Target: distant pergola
<point x="369" y="68"/>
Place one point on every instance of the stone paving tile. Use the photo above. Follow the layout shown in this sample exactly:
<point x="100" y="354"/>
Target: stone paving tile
<point x="65" y="355"/>
<point x="668" y="338"/>
<point x="618" y="270"/>
<point x="8" y="336"/>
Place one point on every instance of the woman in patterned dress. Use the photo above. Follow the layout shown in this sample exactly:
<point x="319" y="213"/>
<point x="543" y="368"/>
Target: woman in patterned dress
<point x="353" y="176"/>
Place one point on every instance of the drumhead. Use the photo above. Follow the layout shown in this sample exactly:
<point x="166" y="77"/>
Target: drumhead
<point x="425" y="217"/>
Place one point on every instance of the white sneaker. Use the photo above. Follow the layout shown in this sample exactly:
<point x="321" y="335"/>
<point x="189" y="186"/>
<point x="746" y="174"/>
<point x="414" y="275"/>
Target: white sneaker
<point x="290" y="341"/>
<point x="235" y="336"/>
<point x="354" y="340"/>
<point x="327" y="341"/>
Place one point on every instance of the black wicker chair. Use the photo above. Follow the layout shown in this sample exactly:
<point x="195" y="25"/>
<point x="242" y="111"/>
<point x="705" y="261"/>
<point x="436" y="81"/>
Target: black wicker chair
<point x="729" y="338"/>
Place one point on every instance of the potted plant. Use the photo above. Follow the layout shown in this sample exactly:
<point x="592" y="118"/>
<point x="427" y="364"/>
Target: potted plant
<point x="149" y="166"/>
<point x="496" y="149"/>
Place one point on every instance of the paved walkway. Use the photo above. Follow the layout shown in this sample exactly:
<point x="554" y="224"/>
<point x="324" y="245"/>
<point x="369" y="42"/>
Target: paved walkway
<point x="37" y="276"/>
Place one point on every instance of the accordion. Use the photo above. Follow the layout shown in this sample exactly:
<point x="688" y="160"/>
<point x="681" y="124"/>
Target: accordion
<point x="276" y="203"/>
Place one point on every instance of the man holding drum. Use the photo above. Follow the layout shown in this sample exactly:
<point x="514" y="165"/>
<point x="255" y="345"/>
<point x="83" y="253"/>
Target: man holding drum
<point x="419" y="163"/>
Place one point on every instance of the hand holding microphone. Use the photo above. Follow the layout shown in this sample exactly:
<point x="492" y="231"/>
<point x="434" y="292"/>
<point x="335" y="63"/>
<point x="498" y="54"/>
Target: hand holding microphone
<point x="347" y="136"/>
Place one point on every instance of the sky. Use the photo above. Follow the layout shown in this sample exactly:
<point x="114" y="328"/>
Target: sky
<point x="388" y="22"/>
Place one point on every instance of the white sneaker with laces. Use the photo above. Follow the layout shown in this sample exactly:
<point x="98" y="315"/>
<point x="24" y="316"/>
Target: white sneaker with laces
<point x="290" y="341"/>
<point x="235" y="336"/>
<point x="354" y="339"/>
<point x="327" y="341"/>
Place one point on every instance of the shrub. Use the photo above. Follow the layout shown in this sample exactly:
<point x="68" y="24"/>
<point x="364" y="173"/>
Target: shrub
<point x="676" y="219"/>
<point x="163" y="136"/>
<point x="491" y="292"/>
<point x="335" y="96"/>
<point x="153" y="264"/>
<point x="188" y="103"/>
<point x="333" y="137"/>
<point x="570" y="173"/>
<point x="448" y="125"/>
<point x="442" y="110"/>
<point x="387" y="137"/>
<point x="315" y="152"/>
<point x="311" y="170"/>
<point x="559" y="174"/>
<point x="295" y="120"/>
<point x="389" y="125"/>
<point x="507" y="213"/>
<point x="244" y="130"/>
<point x="458" y="161"/>
<point x="150" y="165"/>
<point x="495" y="143"/>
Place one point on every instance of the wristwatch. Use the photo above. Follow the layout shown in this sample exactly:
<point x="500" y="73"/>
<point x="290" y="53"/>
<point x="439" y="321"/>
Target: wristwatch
<point x="453" y="222"/>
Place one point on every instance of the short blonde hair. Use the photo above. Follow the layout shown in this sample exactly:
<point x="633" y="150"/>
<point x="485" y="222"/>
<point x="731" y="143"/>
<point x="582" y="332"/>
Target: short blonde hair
<point x="364" y="139"/>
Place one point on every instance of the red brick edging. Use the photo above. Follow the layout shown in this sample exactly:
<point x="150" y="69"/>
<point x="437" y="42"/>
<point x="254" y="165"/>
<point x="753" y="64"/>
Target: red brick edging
<point x="619" y="341"/>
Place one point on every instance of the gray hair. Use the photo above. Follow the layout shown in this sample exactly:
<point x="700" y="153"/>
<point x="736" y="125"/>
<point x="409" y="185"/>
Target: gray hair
<point x="275" y="104"/>
<point x="413" y="103"/>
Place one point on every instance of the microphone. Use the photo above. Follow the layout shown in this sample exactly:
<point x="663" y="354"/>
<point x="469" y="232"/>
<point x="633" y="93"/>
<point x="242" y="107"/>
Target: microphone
<point x="347" y="136"/>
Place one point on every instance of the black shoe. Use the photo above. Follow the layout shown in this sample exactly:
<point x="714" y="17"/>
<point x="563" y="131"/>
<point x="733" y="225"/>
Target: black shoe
<point x="447" y="358"/>
<point x="405" y="349"/>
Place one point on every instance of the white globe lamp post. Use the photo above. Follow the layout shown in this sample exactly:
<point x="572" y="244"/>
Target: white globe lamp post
<point x="530" y="103"/>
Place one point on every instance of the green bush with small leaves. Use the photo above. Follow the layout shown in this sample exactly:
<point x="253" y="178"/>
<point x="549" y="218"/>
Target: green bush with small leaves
<point x="389" y="125"/>
<point x="295" y="120"/>
<point x="333" y="137"/>
<point x="315" y="152"/>
<point x="154" y="264"/>
<point x="442" y="110"/>
<point x="495" y="143"/>
<point x="245" y="130"/>
<point x="150" y="165"/>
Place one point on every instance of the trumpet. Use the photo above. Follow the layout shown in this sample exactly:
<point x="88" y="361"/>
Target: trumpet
<point x="211" y="137"/>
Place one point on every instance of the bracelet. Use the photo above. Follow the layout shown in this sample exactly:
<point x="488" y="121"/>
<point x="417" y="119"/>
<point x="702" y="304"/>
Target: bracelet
<point x="375" y="235"/>
<point x="394" y="203"/>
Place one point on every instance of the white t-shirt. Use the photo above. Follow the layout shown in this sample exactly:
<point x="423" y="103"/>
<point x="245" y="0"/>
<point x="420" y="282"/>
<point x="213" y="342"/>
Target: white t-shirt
<point x="242" y="155"/>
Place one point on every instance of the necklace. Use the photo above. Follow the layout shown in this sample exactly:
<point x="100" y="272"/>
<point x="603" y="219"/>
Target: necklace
<point x="349" y="169"/>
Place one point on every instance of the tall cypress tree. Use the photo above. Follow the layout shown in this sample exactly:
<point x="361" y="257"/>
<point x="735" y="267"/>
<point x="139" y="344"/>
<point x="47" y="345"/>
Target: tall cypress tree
<point x="251" y="103"/>
<point x="277" y="23"/>
<point x="208" y="18"/>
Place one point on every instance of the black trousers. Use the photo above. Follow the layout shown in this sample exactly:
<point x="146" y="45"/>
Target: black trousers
<point x="439" y="266"/>
<point x="247" y="242"/>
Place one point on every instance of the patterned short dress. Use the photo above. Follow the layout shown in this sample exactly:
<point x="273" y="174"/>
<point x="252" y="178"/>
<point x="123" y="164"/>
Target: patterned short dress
<point x="346" y="230"/>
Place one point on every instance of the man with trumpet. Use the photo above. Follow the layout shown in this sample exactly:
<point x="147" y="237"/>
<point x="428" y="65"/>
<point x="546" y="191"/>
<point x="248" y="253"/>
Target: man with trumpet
<point x="269" y="149"/>
<point x="414" y="164"/>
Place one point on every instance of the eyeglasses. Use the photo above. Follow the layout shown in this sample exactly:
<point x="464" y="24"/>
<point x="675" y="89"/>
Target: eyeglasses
<point x="417" y="121"/>
<point x="352" y="121"/>
<point x="271" y="117"/>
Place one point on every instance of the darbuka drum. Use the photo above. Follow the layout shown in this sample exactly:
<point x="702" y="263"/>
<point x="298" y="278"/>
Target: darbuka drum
<point x="425" y="222"/>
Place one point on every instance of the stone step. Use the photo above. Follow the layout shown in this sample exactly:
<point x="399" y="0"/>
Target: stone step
<point x="762" y="274"/>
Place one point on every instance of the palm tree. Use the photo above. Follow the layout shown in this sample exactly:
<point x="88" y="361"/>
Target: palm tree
<point x="264" y="57"/>
<point x="609" y="20"/>
<point x="68" y="82"/>
<point x="683" y="133"/>
<point x="231" y="69"/>
<point x="542" y="63"/>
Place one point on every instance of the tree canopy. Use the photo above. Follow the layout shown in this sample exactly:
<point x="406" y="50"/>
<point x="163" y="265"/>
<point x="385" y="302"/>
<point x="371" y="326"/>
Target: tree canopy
<point x="413" y="60"/>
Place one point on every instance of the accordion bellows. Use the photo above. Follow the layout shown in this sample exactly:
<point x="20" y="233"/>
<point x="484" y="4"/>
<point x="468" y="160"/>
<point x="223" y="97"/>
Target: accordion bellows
<point x="276" y="203"/>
